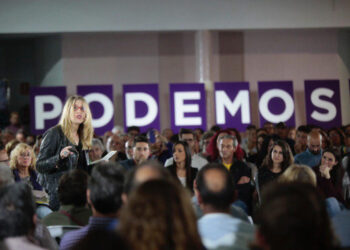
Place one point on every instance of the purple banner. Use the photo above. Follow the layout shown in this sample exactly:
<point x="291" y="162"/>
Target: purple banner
<point x="322" y="100"/>
<point x="187" y="106"/>
<point x="141" y="106"/>
<point x="46" y="104"/>
<point x="232" y="105"/>
<point x="276" y="102"/>
<point x="100" y="100"/>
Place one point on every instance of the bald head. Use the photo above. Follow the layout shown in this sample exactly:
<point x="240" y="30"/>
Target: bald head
<point x="314" y="142"/>
<point x="214" y="187"/>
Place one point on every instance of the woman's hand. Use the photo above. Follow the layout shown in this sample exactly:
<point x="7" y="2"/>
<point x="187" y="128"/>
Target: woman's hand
<point x="65" y="152"/>
<point x="324" y="170"/>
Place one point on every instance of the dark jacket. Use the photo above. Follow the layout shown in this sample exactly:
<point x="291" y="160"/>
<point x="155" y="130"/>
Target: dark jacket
<point x="49" y="164"/>
<point x="33" y="178"/>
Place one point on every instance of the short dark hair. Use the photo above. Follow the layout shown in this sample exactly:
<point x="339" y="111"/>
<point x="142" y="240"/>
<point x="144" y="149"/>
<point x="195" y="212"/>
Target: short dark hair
<point x="222" y="199"/>
<point x="133" y="128"/>
<point x="294" y="216"/>
<point x="185" y="131"/>
<point x="251" y="126"/>
<point x="17" y="208"/>
<point x="140" y="138"/>
<point x="72" y="188"/>
<point x="106" y="187"/>
<point x="304" y="129"/>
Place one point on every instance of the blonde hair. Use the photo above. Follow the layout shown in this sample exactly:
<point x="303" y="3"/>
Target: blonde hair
<point x="20" y="148"/>
<point x="85" y="130"/>
<point x="298" y="173"/>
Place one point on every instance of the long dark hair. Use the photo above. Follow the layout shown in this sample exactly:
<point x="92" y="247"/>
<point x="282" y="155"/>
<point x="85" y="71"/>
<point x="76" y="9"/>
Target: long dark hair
<point x="188" y="161"/>
<point x="337" y="172"/>
<point x="264" y="148"/>
<point x="287" y="156"/>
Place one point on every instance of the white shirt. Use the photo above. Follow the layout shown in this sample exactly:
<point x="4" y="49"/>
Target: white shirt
<point x="197" y="162"/>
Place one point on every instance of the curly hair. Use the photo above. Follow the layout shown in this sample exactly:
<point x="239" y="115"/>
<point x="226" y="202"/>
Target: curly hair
<point x="20" y="148"/>
<point x="159" y="215"/>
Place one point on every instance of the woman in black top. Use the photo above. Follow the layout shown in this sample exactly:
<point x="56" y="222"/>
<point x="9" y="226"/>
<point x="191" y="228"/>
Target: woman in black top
<point x="279" y="159"/>
<point x="65" y="146"/>
<point x="181" y="169"/>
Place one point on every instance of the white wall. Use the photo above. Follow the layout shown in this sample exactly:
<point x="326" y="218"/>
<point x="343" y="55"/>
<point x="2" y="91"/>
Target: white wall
<point x="42" y="16"/>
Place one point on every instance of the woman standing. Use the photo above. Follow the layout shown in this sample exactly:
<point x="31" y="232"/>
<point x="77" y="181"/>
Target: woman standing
<point x="278" y="160"/>
<point x="181" y="169"/>
<point x="65" y="146"/>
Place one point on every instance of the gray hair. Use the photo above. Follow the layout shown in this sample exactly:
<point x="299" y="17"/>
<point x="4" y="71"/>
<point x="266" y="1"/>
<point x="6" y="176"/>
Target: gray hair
<point x="97" y="142"/>
<point x="231" y="137"/>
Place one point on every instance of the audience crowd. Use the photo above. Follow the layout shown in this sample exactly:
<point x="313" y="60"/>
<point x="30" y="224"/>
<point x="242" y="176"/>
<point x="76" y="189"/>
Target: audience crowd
<point x="272" y="187"/>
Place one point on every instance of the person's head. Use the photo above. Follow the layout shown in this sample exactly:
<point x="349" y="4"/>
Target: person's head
<point x="281" y="130"/>
<point x="148" y="170"/>
<point x="21" y="136"/>
<point x="114" y="142"/>
<point x="293" y="216"/>
<point x="198" y="133"/>
<point x="167" y="133"/>
<point x="14" y="118"/>
<point x="129" y="148"/>
<point x="329" y="158"/>
<point x="251" y="133"/>
<point x="291" y="133"/>
<point x="72" y="188"/>
<point x="261" y="131"/>
<point x="314" y="142"/>
<point x="214" y="188"/>
<point x="227" y="146"/>
<point x="187" y="135"/>
<point x="97" y="149"/>
<point x="22" y="156"/>
<point x="141" y="149"/>
<point x="7" y="136"/>
<point x="133" y="131"/>
<point x="298" y="173"/>
<point x="268" y="126"/>
<point x="301" y="135"/>
<point x="182" y="153"/>
<point x="205" y="140"/>
<point x="279" y="154"/>
<point x="17" y="210"/>
<point x="347" y="129"/>
<point x="260" y="141"/>
<point x="335" y="137"/>
<point x="105" y="188"/>
<point x="161" y="213"/>
<point x="30" y="140"/>
<point x="76" y="112"/>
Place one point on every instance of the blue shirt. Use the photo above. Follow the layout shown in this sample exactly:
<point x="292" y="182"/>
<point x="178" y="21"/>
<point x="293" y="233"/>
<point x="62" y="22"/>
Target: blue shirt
<point x="95" y="223"/>
<point x="308" y="158"/>
<point x="223" y="230"/>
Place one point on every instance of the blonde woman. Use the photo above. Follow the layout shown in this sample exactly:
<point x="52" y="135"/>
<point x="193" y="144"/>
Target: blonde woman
<point x="299" y="173"/>
<point x="22" y="163"/>
<point x="65" y="146"/>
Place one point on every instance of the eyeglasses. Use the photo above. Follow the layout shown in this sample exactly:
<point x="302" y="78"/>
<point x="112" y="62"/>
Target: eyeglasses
<point x="25" y="155"/>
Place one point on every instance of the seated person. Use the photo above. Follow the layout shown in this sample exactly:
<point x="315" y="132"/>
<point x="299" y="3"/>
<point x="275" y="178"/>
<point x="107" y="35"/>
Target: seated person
<point x="72" y="196"/>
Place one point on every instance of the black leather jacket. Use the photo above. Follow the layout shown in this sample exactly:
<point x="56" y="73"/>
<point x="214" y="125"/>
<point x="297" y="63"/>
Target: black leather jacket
<point x="49" y="164"/>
